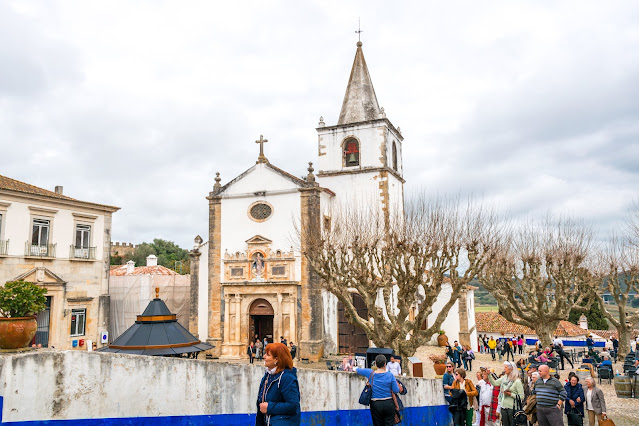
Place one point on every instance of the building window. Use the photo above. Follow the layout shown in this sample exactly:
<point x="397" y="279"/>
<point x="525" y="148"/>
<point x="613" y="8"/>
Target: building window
<point x="4" y="245"/>
<point x="237" y="272"/>
<point x="351" y="153"/>
<point x="260" y="211"/>
<point x="40" y="234"/>
<point x="82" y="236"/>
<point x="78" y="322"/>
<point x="278" y="270"/>
<point x="394" y="156"/>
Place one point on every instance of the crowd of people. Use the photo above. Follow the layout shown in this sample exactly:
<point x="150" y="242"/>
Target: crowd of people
<point x="256" y="349"/>
<point x="528" y="392"/>
<point x="278" y="399"/>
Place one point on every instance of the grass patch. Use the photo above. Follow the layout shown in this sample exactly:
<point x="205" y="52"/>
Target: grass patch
<point x="486" y="308"/>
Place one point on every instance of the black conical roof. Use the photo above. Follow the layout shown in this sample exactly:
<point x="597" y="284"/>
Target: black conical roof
<point x="156" y="332"/>
<point x="156" y="307"/>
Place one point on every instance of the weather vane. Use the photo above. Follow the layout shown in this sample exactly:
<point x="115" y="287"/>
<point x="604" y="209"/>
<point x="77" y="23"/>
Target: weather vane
<point x="359" y="30"/>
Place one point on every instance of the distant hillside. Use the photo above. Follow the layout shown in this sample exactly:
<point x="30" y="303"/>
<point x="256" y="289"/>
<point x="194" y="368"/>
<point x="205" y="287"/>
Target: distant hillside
<point x="482" y="296"/>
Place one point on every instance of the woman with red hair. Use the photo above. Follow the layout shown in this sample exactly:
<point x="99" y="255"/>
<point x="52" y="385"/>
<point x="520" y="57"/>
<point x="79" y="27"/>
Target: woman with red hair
<point x="278" y="401"/>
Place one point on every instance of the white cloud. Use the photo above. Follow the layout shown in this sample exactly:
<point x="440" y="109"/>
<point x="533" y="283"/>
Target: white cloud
<point x="533" y="105"/>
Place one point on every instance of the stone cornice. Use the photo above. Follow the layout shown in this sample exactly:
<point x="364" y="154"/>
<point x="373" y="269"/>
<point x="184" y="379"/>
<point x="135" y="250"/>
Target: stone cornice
<point x="58" y="202"/>
<point x="42" y="211"/>
<point x="321" y="173"/>
<point x="84" y="216"/>
<point x="363" y="123"/>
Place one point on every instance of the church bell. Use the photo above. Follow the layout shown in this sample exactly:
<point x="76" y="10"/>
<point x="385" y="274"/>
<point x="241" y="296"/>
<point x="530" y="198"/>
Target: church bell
<point x="351" y="158"/>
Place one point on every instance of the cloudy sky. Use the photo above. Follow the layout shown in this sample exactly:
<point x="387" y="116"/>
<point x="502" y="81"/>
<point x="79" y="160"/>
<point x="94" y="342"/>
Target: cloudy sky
<point x="532" y="105"/>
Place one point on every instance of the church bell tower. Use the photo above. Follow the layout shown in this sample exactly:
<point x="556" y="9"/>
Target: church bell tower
<point x="360" y="158"/>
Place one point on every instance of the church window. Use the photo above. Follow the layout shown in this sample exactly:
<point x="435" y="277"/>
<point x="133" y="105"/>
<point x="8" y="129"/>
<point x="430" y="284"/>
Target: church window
<point x="394" y="156"/>
<point x="278" y="270"/>
<point x="327" y="222"/>
<point x="260" y="211"/>
<point x="237" y="272"/>
<point x="351" y="153"/>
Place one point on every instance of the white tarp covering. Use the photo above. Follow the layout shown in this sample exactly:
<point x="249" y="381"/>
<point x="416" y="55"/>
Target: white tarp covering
<point x="130" y="295"/>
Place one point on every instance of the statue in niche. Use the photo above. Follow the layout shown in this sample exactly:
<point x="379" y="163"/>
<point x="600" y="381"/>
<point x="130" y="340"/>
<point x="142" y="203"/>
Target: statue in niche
<point x="257" y="266"/>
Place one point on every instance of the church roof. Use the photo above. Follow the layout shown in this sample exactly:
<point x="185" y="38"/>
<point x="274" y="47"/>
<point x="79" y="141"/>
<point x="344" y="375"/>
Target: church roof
<point x="360" y="103"/>
<point x="297" y="181"/>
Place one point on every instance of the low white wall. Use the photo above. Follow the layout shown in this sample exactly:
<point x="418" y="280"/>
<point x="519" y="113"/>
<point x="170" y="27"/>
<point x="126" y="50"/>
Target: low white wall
<point x="49" y="385"/>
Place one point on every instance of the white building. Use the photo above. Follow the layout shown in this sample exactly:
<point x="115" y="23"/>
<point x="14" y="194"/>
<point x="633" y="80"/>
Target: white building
<point x="254" y="279"/>
<point x="61" y="244"/>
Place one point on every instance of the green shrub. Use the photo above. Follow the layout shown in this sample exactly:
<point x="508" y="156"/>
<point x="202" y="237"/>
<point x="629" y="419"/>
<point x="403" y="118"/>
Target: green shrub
<point x="21" y="299"/>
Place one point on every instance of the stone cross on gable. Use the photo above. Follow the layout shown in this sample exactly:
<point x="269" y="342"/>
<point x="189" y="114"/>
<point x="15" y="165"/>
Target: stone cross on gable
<point x="261" y="158"/>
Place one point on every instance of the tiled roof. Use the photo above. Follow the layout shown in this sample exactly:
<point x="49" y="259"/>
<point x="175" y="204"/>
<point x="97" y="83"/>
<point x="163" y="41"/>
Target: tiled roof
<point x="492" y="322"/>
<point x="119" y="271"/>
<point x="18" y="186"/>
<point x="608" y="334"/>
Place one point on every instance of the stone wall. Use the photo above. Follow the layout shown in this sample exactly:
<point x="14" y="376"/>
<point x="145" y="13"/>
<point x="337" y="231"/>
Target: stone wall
<point x="39" y="387"/>
<point x="120" y="249"/>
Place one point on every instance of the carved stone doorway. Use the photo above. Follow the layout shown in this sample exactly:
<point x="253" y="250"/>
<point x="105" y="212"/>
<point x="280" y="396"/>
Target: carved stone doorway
<point x="261" y="315"/>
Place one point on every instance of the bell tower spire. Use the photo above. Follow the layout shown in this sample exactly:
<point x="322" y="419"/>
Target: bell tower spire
<point x="360" y="103"/>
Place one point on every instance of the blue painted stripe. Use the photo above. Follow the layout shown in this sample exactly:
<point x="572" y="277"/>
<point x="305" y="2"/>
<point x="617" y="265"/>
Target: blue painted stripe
<point x="431" y="415"/>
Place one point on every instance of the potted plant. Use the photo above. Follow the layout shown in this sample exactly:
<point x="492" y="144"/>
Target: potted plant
<point x="19" y="302"/>
<point x="439" y="363"/>
<point x="442" y="339"/>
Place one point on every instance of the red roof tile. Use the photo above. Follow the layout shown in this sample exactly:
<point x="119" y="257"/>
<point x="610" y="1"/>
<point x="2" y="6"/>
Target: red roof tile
<point x="608" y="334"/>
<point x="119" y="271"/>
<point x="492" y="322"/>
<point x="16" y="185"/>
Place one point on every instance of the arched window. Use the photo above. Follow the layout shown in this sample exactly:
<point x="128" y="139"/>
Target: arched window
<point x="351" y="153"/>
<point x="394" y="156"/>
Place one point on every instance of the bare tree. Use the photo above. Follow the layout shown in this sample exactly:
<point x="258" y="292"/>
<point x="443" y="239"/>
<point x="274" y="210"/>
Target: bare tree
<point x="399" y="267"/>
<point x="620" y="278"/>
<point x="539" y="276"/>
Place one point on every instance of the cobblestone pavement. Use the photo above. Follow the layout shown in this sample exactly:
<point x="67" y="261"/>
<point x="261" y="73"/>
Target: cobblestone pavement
<point x="623" y="411"/>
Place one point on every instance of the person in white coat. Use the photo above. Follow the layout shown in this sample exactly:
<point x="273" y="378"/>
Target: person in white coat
<point x="485" y="397"/>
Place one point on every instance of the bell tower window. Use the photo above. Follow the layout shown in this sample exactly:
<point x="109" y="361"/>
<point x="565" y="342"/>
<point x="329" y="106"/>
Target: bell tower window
<point x="394" y="156"/>
<point x="351" y="153"/>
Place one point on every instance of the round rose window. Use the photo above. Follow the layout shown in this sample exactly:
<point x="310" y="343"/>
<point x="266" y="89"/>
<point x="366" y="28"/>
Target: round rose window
<point x="260" y="211"/>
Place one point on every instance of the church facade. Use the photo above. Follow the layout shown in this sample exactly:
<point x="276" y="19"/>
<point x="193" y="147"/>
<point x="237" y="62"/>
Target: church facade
<point x="252" y="279"/>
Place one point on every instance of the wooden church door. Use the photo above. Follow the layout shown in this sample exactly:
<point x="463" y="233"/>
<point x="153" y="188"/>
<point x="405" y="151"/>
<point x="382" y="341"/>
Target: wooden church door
<point x="351" y="339"/>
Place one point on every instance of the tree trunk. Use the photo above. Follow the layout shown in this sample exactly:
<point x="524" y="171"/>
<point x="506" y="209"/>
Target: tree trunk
<point x="544" y="332"/>
<point x="624" y="340"/>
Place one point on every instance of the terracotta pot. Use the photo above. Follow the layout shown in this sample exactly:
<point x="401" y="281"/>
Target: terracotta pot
<point x="440" y="369"/>
<point x="17" y="333"/>
<point x="442" y="340"/>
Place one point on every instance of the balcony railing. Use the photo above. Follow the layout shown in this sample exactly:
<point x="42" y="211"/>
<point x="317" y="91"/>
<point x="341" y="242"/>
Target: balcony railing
<point x="82" y="253"/>
<point x="4" y="247"/>
<point x="34" y="250"/>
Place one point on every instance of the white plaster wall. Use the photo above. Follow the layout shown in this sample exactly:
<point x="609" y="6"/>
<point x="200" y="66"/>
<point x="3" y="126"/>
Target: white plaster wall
<point x="259" y="178"/>
<point x="47" y="385"/>
<point x="370" y="137"/>
<point x="203" y="293"/>
<point x="354" y="190"/>
<point x="237" y="227"/>
<point x="470" y="304"/>
<point x="330" y="322"/>
<point x="451" y="323"/>
<point x="17" y="228"/>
